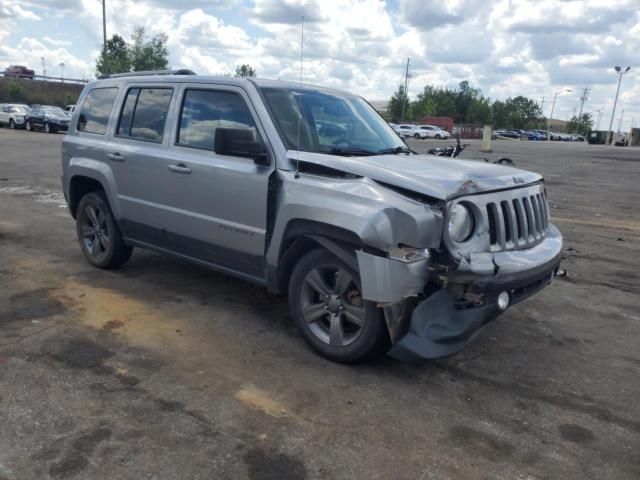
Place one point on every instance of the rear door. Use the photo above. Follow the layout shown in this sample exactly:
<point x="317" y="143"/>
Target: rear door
<point x="136" y="155"/>
<point x="216" y="204"/>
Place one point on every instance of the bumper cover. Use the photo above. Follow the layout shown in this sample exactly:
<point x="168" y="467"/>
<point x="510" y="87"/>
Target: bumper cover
<point x="439" y="327"/>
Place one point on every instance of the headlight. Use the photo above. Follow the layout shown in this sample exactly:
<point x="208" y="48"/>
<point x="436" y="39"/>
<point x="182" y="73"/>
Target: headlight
<point x="460" y="223"/>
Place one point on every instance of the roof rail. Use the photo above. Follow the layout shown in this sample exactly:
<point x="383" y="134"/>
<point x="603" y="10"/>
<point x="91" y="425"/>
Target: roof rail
<point x="182" y="71"/>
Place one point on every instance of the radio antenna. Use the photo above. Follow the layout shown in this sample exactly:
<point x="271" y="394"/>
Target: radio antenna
<point x="297" y="175"/>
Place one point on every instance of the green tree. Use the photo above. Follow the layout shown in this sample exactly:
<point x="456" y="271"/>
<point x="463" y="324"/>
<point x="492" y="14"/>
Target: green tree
<point x="395" y="105"/>
<point x="141" y="54"/>
<point x="245" y="70"/>
<point x="16" y="92"/>
<point x="582" y="125"/>
<point x="148" y="54"/>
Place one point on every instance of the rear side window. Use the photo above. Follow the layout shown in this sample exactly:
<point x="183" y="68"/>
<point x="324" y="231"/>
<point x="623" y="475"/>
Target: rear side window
<point x="144" y="114"/>
<point x="205" y="110"/>
<point x="96" y="109"/>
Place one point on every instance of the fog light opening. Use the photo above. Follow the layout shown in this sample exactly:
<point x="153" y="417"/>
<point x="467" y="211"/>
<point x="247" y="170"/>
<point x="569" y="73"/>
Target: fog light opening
<point x="503" y="300"/>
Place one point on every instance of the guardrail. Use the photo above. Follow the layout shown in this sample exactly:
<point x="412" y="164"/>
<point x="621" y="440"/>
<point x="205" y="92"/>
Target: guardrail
<point x="43" y="77"/>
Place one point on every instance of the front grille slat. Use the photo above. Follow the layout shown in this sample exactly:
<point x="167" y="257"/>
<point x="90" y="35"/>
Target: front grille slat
<point x="514" y="219"/>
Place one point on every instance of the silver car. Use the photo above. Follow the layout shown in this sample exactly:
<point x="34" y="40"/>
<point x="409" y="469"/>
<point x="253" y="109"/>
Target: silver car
<point x="13" y="115"/>
<point x="377" y="248"/>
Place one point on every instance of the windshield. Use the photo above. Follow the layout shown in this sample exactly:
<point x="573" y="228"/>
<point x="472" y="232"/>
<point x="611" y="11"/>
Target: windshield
<point x="54" y="110"/>
<point x="321" y="122"/>
<point x="18" y="109"/>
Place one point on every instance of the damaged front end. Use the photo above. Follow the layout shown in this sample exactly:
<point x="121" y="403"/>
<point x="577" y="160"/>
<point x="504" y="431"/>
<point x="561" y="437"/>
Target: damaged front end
<point x="435" y="304"/>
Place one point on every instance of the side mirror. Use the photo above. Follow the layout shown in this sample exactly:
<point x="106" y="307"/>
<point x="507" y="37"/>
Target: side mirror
<point x="239" y="142"/>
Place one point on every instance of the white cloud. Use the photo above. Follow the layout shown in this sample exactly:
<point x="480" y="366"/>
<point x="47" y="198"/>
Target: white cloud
<point x="505" y="47"/>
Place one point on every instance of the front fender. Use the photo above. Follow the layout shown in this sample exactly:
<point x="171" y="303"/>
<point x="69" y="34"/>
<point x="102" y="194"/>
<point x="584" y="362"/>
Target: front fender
<point x="378" y="216"/>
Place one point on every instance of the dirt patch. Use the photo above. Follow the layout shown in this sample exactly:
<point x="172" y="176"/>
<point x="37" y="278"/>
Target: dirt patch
<point x="113" y="325"/>
<point x="82" y="354"/>
<point x="576" y="433"/>
<point x="260" y="400"/>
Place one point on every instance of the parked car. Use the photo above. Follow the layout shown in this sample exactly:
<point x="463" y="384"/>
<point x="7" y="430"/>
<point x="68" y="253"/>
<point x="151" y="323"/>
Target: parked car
<point x="407" y="131"/>
<point x="70" y="109"/>
<point x="19" y="71"/>
<point x="577" y="137"/>
<point x="378" y="248"/>
<point x="47" y="118"/>
<point x="507" y="134"/>
<point x="13" y="114"/>
<point x="434" y="131"/>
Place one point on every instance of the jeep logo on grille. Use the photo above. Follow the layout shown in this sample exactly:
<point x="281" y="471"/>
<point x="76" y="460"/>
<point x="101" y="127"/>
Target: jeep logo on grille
<point x="518" y="180"/>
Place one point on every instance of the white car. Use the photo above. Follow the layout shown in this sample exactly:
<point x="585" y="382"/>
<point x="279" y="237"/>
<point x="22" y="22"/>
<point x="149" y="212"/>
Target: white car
<point x="405" y="130"/>
<point x="434" y="131"/>
<point x="13" y="114"/>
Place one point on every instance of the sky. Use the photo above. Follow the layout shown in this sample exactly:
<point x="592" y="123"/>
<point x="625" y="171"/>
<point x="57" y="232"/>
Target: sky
<point x="533" y="48"/>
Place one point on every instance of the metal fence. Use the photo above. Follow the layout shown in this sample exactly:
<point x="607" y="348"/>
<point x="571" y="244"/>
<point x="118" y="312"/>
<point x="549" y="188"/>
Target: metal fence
<point x="43" y="77"/>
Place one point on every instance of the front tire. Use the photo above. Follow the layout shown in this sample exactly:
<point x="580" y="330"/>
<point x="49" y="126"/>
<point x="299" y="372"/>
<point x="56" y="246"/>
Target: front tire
<point x="438" y="136"/>
<point x="47" y="128"/>
<point x="12" y="125"/>
<point x="98" y="233"/>
<point x="326" y="303"/>
<point x="28" y="126"/>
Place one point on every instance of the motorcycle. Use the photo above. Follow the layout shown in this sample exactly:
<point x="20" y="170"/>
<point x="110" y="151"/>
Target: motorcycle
<point x="452" y="151"/>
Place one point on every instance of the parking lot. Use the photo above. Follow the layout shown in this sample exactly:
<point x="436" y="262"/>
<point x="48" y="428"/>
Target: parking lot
<point x="164" y="370"/>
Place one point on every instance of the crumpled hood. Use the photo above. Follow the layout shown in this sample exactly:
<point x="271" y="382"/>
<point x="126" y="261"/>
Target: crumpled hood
<point x="438" y="177"/>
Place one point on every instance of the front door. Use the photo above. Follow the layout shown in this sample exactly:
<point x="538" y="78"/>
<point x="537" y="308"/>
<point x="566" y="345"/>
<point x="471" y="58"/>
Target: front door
<point x="216" y="205"/>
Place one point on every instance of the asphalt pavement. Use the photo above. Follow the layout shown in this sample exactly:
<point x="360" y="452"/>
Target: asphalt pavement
<point x="164" y="370"/>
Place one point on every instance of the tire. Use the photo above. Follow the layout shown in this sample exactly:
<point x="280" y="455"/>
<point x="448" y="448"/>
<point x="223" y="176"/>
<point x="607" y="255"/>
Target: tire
<point x="98" y="233"/>
<point x="12" y="125"/>
<point x="326" y="305"/>
<point x="416" y="136"/>
<point x="28" y="126"/>
<point x="47" y="128"/>
<point x="438" y="136"/>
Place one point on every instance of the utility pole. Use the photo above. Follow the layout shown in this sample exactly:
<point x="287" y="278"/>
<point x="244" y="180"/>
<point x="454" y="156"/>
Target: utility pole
<point x="583" y="98"/>
<point x="44" y="70"/>
<point x="542" y="104"/>
<point x="62" y="71"/>
<point x="620" y="121"/>
<point x="599" y="111"/>
<point x="405" y="100"/>
<point x="555" y="95"/>
<point x="613" y="113"/>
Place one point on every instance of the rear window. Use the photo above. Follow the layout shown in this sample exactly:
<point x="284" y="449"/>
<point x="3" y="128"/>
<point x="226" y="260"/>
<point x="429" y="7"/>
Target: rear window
<point x="96" y="109"/>
<point x="144" y="114"/>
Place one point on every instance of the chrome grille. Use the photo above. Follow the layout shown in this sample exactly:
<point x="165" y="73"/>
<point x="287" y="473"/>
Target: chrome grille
<point x="519" y="221"/>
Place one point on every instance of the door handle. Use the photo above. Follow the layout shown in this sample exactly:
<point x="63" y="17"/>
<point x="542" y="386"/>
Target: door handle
<point x="180" y="168"/>
<point x="116" y="157"/>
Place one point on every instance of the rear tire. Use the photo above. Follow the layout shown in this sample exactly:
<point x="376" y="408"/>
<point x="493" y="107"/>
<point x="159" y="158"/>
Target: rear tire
<point x="98" y="232"/>
<point x="326" y="304"/>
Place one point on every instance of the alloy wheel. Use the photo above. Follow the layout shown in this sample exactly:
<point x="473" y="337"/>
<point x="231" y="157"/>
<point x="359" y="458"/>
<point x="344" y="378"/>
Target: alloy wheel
<point x="95" y="231"/>
<point x="11" y="124"/>
<point x="28" y="126"/>
<point x="332" y="305"/>
<point x="47" y="128"/>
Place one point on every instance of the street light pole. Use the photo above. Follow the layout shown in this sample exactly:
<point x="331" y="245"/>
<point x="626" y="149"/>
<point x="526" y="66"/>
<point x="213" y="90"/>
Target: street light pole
<point x="613" y="113"/>
<point x="553" y="106"/>
<point x="62" y="71"/>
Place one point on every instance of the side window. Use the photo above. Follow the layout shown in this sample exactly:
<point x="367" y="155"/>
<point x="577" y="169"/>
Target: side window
<point x="144" y="114"/>
<point x="95" y="111"/>
<point x="205" y="110"/>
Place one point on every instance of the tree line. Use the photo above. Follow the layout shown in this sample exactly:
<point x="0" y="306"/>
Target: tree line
<point x="143" y="53"/>
<point x="466" y="105"/>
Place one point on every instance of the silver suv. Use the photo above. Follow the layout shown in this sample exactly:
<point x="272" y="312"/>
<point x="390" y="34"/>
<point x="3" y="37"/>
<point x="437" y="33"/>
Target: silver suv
<point x="377" y="248"/>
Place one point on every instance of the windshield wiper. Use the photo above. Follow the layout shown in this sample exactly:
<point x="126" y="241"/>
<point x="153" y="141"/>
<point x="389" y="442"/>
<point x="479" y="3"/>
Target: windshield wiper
<point x="350" y="151"/>
<point x="395" y="150"/>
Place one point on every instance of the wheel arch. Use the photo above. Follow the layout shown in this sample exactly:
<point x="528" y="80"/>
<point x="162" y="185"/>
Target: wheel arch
<point x="302" y="236"/>
<point x="79" y="186"/>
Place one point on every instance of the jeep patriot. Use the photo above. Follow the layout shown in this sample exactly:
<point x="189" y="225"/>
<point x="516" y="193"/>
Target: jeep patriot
<point x="309" y="192"/>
